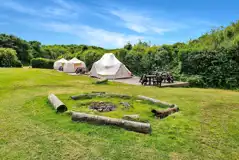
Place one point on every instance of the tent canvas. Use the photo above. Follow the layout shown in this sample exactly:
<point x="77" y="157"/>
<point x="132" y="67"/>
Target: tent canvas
<point x="74" y="60"/>
<point x="109" y="67"/>
<point x="73" y="64"/>
<point x="59" y="63"/>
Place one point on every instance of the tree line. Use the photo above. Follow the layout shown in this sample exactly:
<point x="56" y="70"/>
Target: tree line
<point x="212" y="60"/>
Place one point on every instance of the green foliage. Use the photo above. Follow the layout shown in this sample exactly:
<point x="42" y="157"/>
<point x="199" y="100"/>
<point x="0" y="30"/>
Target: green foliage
<point x="133" y="61"/>
<point x="219" y="68"/>
<point x="194" y="81"/>
<point x="21" y="47"/>
<point x="218" y="37"/>
<point x="90" y="56"/>
<point x="128" y="46"/>
<point x="121" y="54"/>
<point x="236" y="40"/>
<point x="36" y="49"/>
<point x="8" y="58"/>
<point x="42" y="63"/>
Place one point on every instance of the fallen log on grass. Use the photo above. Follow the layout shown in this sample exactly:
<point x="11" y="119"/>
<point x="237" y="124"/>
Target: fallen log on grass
<point x="58" y="105"/>
<point x="100" y="94"/>
<point x="102" y="81"/>
<point x="164" y="113"/>
<point x="115" y="95"/>
<point x="85" y="96"/>
<point x="129" y="125"/>
<point x="132" y="117"/>
<point x="156" y="101"/>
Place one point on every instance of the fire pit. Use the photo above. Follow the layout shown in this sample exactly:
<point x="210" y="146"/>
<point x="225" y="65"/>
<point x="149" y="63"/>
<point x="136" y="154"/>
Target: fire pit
<point x="102" y="106"/>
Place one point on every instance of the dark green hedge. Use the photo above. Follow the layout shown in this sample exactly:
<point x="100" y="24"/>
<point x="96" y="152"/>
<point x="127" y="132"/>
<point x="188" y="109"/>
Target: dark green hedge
<point x="218" y="68"/>
<point x="8" y="58"/>
<point x="42" y="63"/>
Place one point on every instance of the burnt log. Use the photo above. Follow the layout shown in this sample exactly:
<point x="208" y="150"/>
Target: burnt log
<point x="129" y="125"/>
<point x="58" y="105"/>
<point x="164" y="113"/>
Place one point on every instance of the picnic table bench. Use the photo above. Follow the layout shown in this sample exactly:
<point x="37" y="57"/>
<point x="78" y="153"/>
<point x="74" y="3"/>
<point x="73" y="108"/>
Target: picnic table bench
<point x="156" y="79"/>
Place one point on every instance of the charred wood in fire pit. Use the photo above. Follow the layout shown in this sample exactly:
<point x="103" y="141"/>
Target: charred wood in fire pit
<point x="102" y="106"/>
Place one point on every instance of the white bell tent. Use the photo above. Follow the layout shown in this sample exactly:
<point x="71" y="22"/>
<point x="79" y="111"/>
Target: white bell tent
<point x="109" y="67"/>
<point x="73" y="64"/>
<point x="59" y="63"/>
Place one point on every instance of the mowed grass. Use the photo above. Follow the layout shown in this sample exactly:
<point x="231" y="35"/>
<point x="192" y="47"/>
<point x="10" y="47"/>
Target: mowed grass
<point x="207" y="126"/>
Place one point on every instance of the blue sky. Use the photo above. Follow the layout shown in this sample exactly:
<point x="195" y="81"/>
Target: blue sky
<point x="112" y="23"/>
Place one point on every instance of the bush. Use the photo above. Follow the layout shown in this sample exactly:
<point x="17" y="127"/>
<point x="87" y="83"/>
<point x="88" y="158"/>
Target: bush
<point x="90" y="56"/>
<point x="196" y="81"/>
<point x="193" y="80"/>
<point x="42" y="63"/>
<point x="219" y="68"/>
<point x="17" y="63"/>
<point x="8" y="58"/>
<point x="21" y="46"/>
<point x="133" y="60"/>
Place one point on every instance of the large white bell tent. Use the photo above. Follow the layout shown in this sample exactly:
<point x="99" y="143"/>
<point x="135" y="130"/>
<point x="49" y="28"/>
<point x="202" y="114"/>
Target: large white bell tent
<point x="109" y="67"/>
<point x="59" y="63"/>
<point x="73" y="64"/>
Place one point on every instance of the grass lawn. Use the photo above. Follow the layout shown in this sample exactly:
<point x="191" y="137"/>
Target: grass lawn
<point x="207" y="126"/>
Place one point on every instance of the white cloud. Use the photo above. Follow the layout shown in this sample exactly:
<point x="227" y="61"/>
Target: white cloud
<point x="136" y="28"/>
<point x="106" y="38"/>
<point x="141" y="23"/>
<point x="18" y="7"/>
<point x="94" y="36"/>
<point x="64" y="4"/>
<point x="61" y="10"/>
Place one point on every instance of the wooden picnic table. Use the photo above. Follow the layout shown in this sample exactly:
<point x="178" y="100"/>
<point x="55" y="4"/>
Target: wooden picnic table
<point x="150" y="79"/>
<point x="156" y="79"/>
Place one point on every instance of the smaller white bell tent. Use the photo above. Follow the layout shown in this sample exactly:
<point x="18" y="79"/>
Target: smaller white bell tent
<point x="109" y="67"/>
<point x="59" y="63"/>
<point x="73" y="64"/>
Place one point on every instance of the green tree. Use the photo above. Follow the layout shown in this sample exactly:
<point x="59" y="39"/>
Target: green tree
<point x="36" y="49"/>
<point x="128" y="46"/>
<point x="21" y="46"/>
<point x="8" y="58"/>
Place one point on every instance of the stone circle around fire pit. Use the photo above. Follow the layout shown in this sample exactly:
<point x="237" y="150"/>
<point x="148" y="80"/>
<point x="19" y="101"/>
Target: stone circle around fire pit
<point x="102" y="106"/>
